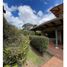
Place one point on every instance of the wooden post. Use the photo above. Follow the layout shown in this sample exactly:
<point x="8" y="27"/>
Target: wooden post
<point x="60" y="37"/>
<point x="56" y="38"/>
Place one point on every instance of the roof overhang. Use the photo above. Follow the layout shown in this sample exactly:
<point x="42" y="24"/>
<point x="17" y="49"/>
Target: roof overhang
<point x="54" y="23"/>
<point x="50" y="25"/>
<point x="57" y="10"/>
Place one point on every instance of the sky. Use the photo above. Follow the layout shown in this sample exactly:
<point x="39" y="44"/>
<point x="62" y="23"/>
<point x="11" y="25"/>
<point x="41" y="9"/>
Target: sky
<point x="20" y="12"/>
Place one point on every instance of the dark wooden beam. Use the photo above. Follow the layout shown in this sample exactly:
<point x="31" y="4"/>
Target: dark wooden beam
<point x="53" y="28"/>
<point x="4" y="10"/>
<point x="53" y="23"/>
<point x="61" y="20"/>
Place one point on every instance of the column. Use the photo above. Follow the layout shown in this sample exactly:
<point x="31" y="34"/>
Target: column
<point x="60" y="41"/>
<point x="56" y="38"/>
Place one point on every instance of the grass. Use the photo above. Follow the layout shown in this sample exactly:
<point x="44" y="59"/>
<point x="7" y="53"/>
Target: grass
<point x="15" y="65"/>
<point x="34" y="57"/>
<point x="7" y="66"/>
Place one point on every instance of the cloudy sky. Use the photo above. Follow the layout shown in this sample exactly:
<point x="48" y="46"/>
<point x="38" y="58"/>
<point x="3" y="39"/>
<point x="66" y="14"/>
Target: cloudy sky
<point x="19" y="12"/>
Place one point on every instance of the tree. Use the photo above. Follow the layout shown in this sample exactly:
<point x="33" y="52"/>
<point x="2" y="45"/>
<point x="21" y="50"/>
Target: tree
<point x="27" y="26"/>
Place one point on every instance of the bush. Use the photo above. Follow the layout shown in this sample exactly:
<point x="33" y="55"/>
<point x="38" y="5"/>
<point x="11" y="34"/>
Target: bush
<point x="38" y="33"/>
<point x="7" y="66"/>
<point x="27" y="32"/>
<point x="16" y="54"/>
<point x="39" y="42"/>
<point x="15" y="45"/>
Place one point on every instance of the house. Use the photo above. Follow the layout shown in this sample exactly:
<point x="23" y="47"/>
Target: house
<point x="28" y="26"/>
<point x="53" y="28"/>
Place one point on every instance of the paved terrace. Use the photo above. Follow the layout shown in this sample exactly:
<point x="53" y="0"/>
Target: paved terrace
<point x="53" y="62"/>
<point x="57" y="52"/>
<point x="57" y="59"/>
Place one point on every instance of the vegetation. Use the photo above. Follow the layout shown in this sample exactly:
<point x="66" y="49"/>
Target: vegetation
<point x="15" y="65"/>
<point x="38" y="33"/>
<point x="7" y="66"/>
<point x="16" y="48"/>
<point x="27" y="32"/>
<point x="37" y="60"/>
<point x="34" y="57"/>
<point x="15" y="45"/>
<point x="39" y="42"/>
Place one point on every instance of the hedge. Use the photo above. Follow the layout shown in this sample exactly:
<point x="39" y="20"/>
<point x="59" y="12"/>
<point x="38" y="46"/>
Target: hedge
<point x="40" y="43"/>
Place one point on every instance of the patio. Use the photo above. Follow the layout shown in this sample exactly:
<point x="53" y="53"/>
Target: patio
<point x="53" y="62"/>
<point x="58" y="52"/>
<point x="57" y="59"/>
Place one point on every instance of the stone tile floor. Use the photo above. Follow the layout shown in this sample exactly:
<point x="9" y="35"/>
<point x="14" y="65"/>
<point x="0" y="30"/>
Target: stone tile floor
<point x="53" y="62"/>
<point x="57" y="59"/>
<point x="58" y="52"/>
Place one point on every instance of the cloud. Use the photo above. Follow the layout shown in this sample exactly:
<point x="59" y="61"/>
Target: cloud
<point x="10" y="18"/>
<point x="12" y="8"/>
<point x="25" y="15"/>
<point x="13" y="20"/>
<point x="47" y="17"/>
<point x="40" y="13"/>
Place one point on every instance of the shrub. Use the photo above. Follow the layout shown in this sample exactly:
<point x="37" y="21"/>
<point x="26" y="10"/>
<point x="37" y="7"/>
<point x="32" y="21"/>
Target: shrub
<point x="38" y="33"/>
<point x="15" y="45"/>
<point x="6" y="66"/>
<point x="27" y="32"/>
<point x="15" y="54"/>
<point x="39" y="42"/>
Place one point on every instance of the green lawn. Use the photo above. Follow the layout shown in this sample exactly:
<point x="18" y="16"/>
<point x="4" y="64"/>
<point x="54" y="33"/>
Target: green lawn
<point x="34" y="57"/>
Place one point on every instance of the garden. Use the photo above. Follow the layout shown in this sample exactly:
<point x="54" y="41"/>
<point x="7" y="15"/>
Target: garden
<point x="22" y="46"/>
